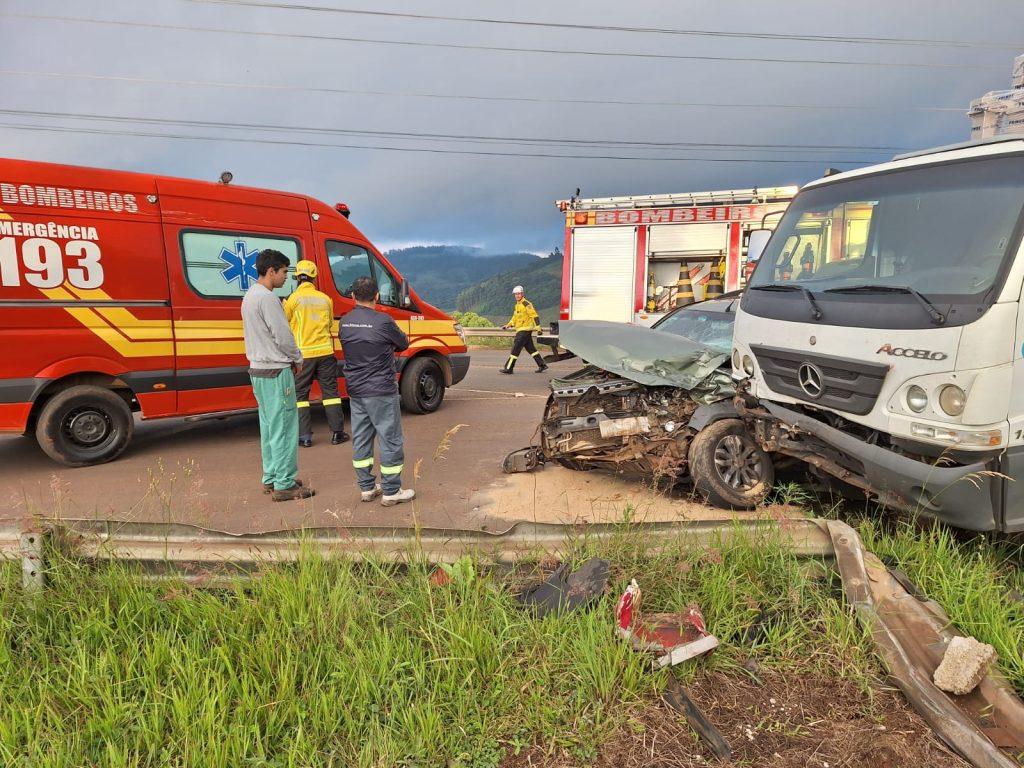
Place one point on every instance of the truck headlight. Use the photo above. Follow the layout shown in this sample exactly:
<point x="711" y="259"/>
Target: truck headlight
<point x="736" y="360"/>
<point x="460" y="332"/>
<point x="917" y="398"/>
<point x="748" y="365"/>
<point x="952" y="399"/>
<point x="986" y="438"/>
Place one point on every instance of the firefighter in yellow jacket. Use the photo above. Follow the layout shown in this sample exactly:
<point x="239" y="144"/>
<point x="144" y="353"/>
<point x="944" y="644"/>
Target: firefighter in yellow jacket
<point x="525" y="321"/>
<point x="310" y="314"/>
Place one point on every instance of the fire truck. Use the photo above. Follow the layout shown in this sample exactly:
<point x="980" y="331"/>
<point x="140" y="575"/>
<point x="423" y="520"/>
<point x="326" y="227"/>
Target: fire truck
<point x="121" y="292"/>
<point x="631" y="259"/>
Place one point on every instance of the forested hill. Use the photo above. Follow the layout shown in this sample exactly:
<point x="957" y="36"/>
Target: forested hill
<point x="439" y="273"/>
<point x="492" y="298"/>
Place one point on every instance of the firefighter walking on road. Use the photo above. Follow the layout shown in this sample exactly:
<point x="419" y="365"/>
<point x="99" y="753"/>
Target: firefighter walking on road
<point x="525" y="321"/>
<point x="310" y="314"/>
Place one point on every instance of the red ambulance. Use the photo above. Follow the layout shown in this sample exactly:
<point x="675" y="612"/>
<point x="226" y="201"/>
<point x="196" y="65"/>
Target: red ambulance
<point x="120" y="293"/>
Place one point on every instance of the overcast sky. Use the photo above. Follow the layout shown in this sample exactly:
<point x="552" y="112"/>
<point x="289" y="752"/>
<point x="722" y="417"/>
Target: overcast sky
<point x="498" y="203"/>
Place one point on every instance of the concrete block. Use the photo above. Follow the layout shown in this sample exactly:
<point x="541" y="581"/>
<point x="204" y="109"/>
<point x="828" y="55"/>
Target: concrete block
<point x="964" y="665"/>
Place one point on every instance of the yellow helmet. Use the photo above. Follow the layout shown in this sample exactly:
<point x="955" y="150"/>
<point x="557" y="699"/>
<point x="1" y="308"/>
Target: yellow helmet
<point x="307" y="268"/>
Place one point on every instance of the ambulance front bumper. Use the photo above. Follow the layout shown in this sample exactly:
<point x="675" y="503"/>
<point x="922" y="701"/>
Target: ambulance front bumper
<point x="460" y="366"/>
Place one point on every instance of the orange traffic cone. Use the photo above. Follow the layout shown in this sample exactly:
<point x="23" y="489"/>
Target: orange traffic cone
<point x="684" y="288"/>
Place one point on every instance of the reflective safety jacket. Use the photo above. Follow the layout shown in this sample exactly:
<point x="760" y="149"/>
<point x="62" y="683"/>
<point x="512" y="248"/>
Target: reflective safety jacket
<point x="524" y="317"/>
<point x="310" y="314"/>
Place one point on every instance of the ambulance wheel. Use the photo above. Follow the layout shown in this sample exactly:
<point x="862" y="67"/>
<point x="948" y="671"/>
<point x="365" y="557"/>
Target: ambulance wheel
<point x="728" y="468"/>
<point x="422" y="386"/>
<point x="84" y="425"/>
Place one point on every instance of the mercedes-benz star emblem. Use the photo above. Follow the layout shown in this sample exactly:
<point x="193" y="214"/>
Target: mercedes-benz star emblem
<point x="810" y="380"/>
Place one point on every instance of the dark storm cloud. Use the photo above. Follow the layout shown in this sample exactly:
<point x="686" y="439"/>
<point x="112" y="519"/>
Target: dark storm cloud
<point x="498" y="202"/>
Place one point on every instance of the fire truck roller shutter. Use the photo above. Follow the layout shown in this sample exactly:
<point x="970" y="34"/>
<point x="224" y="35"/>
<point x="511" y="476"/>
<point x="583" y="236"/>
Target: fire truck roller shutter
<point x="603" y="272"/>
<point x="688" y="239"/>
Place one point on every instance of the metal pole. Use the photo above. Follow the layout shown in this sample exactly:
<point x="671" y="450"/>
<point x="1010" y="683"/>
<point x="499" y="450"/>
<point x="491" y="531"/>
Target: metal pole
<point x="33" y="577"/>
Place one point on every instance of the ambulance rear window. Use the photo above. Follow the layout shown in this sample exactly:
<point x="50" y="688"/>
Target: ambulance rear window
<point x="222" y="265"/>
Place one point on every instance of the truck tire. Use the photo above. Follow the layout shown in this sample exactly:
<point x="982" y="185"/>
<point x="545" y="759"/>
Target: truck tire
<point x="422" y="386"/>
<point x="84" y="425"/>
<point x="728" y="468"/>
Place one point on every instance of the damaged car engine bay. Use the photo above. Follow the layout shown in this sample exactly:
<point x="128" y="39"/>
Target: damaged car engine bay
<point x="594" y="418"/>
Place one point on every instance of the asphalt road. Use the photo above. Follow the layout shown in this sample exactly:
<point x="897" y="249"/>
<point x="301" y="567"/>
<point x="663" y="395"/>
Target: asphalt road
<point x="208" y="472"/>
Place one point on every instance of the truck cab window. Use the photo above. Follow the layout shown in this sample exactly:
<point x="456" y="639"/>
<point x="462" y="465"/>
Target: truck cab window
<point x="349" y="262"/>
<point x="222" y="265"/>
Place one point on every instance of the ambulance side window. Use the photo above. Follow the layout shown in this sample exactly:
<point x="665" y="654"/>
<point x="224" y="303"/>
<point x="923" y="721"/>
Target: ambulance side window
<point x="349" y="262"/>
<point x="222" y="265"/>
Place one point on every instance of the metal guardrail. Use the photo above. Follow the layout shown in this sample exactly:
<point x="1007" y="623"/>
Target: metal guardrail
<point x="484" y="332"/>
<point x="187" y="546"/>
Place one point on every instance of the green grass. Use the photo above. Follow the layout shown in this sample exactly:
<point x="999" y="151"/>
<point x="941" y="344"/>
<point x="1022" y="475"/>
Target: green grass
<point x="971" y="577"/>
<point x="334" y="664"/>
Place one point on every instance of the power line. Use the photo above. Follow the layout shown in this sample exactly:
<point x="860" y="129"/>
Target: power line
<point x="844" y="39"/>
<point x="431" y="150"/>
<point x="474" y="97"/>
<point x="497" y="48"/>
<point x="470" y="138"/>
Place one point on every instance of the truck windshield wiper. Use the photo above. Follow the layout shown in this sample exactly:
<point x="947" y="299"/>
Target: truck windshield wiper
<point x="937" y="317"/>
<point x="815" y="309"/>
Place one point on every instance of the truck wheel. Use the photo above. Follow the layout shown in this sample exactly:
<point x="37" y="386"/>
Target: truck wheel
<point x="422" y="386"/>
<point x="84" y="425"/>
<point x="728" y="468"/>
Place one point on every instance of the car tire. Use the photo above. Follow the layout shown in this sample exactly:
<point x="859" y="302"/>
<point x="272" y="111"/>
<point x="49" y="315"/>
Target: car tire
<point x="84" y="425"/>
<point x="728" y="468"/>
<point x="422" y="386"/>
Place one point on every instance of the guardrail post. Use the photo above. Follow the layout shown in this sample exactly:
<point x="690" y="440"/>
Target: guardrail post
<point x="33" y="575"/>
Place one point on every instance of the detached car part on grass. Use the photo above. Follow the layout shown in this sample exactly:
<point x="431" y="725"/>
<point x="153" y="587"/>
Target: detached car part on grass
<point x="633" y="408"/>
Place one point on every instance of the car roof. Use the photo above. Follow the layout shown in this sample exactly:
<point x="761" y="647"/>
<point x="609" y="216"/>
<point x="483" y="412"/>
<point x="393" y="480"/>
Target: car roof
<point x="723" y="303"/>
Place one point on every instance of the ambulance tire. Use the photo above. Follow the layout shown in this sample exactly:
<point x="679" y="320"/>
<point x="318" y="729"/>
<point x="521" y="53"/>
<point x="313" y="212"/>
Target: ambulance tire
<point x="728" y="468"/>
<point x="84" y="425"/>
<point x="422" y="386"/>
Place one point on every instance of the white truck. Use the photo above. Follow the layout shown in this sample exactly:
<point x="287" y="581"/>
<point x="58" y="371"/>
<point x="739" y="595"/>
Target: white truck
<point x="890" y="359"/>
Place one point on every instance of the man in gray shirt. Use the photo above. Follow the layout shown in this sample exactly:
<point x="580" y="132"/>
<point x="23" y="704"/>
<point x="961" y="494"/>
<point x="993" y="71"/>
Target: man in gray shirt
<point x="273" y="360"/>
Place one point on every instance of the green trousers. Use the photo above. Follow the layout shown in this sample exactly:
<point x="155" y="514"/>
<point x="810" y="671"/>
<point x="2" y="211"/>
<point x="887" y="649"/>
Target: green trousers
<point x="279" y="428"/>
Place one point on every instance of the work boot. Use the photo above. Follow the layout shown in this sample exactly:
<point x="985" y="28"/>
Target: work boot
<point x="339" y="437"/>
<point x="405" y="494"/>
<point x="306" y="441"/>
<point x="370" y="495"/>
<point x="505" y="371"/>
<point x="291" y="494"/>
<point x="268" y="488"/>
<point x="543" y="367"/>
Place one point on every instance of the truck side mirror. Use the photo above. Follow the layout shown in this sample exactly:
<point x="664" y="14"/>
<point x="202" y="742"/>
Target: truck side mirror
<point x="403" y="294"/>
<point x="756" y="242"/>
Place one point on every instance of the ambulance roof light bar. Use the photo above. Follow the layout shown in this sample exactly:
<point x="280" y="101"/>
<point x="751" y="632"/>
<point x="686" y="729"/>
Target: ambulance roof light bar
<point x="764" y="194"/>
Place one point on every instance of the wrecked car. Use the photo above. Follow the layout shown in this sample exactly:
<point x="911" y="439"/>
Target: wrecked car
<point x="638" y="407"/>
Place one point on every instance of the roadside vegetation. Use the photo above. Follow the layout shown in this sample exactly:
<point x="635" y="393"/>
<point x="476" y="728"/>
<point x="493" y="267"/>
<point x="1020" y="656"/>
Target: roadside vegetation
<point x="330" y="663"/>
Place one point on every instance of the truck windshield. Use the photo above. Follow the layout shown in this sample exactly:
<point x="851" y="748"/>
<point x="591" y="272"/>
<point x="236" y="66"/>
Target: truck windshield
<point x="944" y="230"/>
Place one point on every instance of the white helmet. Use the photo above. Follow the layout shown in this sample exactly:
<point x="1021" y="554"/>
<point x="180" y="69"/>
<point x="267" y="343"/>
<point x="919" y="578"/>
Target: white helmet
<point x="518" y="289"/>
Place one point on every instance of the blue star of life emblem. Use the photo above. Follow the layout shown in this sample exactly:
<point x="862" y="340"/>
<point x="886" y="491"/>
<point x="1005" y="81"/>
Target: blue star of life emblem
<point x="241" y="265"/>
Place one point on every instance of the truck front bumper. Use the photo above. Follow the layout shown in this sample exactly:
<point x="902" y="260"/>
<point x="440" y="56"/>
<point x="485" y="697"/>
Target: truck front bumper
<point x="965" y="496"/>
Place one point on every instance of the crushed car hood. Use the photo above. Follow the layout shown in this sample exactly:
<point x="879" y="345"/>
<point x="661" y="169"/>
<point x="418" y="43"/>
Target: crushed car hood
<point x="649" y="357"/>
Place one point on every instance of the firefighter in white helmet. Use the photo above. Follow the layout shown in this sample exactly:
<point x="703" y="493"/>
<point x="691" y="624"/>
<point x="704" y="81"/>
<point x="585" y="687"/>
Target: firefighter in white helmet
<point x="525" y="321"/>
<point x="310" y="314"/>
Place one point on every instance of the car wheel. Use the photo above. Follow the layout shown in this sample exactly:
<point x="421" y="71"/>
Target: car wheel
<point x="84" y="425"/>
<point x="728" y="468"/>
<point x="422" y="386"/>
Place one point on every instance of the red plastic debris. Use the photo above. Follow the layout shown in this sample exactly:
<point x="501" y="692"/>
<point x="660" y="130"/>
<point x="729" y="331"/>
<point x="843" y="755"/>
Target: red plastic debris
<point x="676" y="636"/>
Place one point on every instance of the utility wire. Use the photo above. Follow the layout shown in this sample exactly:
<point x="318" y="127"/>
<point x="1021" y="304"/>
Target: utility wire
<point x="843" y="39"/>
<point x="471" y="138"/>
<point x="431" y="150"/>
<point x="473" y="97"/>
<point x="498" y="48"/>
